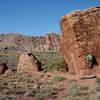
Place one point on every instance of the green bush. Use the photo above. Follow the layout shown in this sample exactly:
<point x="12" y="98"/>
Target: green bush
<point x="56" y="64"/>
<point x="59" y="64"/>
<point x="51" y="60"/>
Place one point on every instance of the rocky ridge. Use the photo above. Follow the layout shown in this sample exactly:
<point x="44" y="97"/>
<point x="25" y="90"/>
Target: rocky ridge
<point x="19" y="43"/>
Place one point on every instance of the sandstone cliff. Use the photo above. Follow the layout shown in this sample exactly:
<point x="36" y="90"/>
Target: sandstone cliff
<point x="80" y="34"/>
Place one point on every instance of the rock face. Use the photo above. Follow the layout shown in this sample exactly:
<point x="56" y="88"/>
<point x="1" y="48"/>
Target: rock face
<point x="3" y="68"/>
<point x="28" y="63"/>
<point x="21" y="43"/>
<point x="80" y="34"/>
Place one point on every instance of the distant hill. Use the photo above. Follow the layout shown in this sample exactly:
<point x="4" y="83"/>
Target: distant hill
<point x="18" y="42"/>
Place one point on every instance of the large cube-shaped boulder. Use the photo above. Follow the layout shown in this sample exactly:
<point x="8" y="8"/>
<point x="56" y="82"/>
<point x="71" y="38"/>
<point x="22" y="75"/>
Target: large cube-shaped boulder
<point x="80" y="34"/>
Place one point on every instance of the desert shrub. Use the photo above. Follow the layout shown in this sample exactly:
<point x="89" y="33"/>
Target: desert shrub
<point x="56" y="64"/>
<point x="24" y="77"/>
<point x="98" y="80"/>
<point x="47" y="91"/>
<point x="96" y="96"/>
<point x="51" y="60"/>
<point x="57" y="79"/>
<point x="27" y="78"/>
<point x="76" y="98"/>
<point x="12" y="59"/>
<point x="44" y="92"/>
<point x="77" y="92"/>
<point x="59" y="64"/>
<point x="97" y="88"/>
<point x="84" y="88"/>
<point x="92" y="89"/>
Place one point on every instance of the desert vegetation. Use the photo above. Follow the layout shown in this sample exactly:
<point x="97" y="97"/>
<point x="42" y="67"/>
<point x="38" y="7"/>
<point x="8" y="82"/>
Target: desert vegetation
<point x="39" y="86"/>
<point x="81" y="92"/>
<point x="51" y="60"/>
<point x="45" y="85"/>
<point x="21" y="86"/>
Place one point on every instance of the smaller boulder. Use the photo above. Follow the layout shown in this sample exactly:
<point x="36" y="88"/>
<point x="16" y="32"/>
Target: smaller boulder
<point x="28" y="63"/>
<point x="3" y="68"/>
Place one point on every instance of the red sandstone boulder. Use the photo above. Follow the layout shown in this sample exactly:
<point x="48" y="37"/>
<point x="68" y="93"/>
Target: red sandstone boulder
<point x="80" y="34"/>
<point x="28" y="63"/>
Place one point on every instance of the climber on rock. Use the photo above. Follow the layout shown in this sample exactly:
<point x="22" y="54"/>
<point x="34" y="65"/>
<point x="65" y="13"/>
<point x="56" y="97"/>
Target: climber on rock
<point x="90" y="60"/>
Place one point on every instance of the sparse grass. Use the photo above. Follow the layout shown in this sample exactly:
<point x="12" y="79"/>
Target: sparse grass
<point x="37" y="77"/>
<point x="7" y="44"/>
<point x="51" y="60"/>
<point x="12" y="59"/>
<point x="77" y="92"/>
<point x="47" y="91"/>
<point x="97" y="88"/>
<point x="23" y="84"/>
<point x="24" y="77"/>
<point x="57" y="79"/>
<point x="20" y="84"/>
